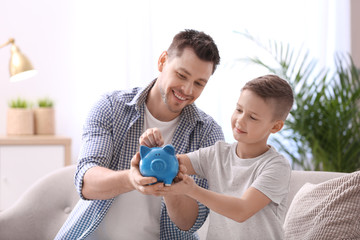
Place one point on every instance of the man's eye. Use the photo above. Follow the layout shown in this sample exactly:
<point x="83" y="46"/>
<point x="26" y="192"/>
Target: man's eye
<point x="181" y="76"/>
<point x="199" y="84"/>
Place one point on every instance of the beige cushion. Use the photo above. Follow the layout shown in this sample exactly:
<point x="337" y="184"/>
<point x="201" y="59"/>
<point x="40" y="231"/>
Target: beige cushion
<point x="329" y="210"/>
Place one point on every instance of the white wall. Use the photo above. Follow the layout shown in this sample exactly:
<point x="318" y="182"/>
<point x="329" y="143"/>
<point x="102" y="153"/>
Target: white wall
<point x="355" y="31"/>
<point x="83" y="48"/>
<point x="42" y="31"/>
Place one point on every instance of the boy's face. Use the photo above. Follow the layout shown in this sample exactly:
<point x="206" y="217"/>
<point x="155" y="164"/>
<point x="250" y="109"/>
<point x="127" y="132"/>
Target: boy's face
<point x="252" y="121"/>
<point x="182" y="80"/>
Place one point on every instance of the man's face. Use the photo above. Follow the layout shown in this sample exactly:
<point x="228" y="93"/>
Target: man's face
<point x="182" y="79"/>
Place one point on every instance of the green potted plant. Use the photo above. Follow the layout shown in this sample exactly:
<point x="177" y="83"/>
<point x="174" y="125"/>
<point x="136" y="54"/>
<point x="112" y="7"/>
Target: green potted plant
<point x="20" y="118"/>
<point x="44" y="116"/>
<point x="323" y="129"/>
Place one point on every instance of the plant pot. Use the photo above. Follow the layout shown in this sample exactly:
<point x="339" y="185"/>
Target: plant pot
<point x="20" y="121"/>
<point x="44" y="121"/>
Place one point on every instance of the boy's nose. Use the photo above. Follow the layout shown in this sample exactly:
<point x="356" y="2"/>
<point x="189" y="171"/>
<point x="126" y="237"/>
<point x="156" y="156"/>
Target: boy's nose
<point x="239" y="120"/>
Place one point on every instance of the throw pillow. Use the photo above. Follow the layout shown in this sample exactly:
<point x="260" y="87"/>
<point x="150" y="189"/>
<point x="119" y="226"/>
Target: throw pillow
<point x="329" y="210"/>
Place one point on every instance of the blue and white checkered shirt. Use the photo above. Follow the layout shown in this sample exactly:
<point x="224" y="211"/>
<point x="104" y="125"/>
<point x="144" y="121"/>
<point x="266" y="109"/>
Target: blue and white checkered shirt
<point x="110" y="139"/>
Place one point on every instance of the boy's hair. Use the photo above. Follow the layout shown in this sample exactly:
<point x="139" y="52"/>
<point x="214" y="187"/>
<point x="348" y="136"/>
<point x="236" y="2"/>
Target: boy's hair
<point x="202" y="44"/>
<point x="272" y="87"/>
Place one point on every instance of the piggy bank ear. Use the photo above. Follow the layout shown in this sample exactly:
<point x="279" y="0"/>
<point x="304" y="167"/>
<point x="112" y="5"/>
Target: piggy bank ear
<point x="144" y="150"/>
<point x="169" y="149"/>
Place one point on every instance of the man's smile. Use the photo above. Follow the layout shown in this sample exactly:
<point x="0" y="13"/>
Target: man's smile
<point x="179" y="96"/>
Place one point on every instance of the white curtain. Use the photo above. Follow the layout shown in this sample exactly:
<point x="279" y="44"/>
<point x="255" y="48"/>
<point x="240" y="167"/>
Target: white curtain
<point x="116" y="44"/>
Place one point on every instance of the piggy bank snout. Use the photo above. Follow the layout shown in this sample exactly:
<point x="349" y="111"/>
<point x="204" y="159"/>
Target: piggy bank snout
<point x="158" y="165"/>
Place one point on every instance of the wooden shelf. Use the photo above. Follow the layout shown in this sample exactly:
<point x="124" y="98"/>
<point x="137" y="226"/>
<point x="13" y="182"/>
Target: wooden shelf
<point x="40" y="140"/>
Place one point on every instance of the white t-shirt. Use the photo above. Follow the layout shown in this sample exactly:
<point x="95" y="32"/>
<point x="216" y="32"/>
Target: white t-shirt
<point x="167" y="129"/>
<point x="228" y="174"/>
<point x="133" y="215"/>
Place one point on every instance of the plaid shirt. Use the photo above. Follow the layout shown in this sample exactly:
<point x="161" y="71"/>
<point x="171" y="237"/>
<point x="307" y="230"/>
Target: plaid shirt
<point x="110" y="139"/>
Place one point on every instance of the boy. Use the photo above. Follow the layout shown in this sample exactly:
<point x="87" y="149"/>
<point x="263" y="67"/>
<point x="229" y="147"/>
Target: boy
<point x="248" y="180"/>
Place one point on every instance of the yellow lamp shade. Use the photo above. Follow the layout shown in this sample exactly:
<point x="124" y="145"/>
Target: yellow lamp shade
<point x="20" y="67"/>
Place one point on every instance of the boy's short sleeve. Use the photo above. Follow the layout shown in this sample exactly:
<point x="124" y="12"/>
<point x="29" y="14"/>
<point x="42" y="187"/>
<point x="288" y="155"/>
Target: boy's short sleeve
<point x="274" y="179"/>
<point x="195" y="162"/>
<point x="206" y="160"/>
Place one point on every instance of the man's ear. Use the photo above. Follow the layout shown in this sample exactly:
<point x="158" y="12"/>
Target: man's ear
<point x="162" y="60"/>
<point x="278" y="125"/>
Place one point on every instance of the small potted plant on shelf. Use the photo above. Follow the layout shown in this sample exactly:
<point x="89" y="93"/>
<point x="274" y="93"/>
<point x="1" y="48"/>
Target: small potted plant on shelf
<point x="44" y="116"/>
<point x="20" y="118"/>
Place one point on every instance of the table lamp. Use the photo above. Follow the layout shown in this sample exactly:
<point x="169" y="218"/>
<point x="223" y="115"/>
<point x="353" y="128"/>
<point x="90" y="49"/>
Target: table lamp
<point x="20" y="67"/>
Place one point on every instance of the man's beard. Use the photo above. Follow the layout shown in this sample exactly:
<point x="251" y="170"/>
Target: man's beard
<point x="163" y="95"/>
<point x="164" y="99"/>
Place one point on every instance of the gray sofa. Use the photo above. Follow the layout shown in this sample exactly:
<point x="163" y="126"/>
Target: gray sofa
<point x="43" y="208"/>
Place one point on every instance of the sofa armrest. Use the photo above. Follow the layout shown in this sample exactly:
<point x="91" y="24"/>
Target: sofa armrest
<point x="42" y="209"/>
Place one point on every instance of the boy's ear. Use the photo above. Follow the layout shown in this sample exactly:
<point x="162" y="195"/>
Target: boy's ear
<point x="162" y="60"/>
<point x="278" y="125"/>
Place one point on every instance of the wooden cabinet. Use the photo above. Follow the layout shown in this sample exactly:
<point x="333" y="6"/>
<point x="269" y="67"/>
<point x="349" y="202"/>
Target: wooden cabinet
<point x="25" y="159"/>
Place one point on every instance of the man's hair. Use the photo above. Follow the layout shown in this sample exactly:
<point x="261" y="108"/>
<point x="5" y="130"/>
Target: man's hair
<point x="274" y="89"/>
<point x="202" y="44"/>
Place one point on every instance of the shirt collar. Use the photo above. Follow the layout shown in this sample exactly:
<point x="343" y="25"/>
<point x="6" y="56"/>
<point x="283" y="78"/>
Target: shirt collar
<point x="140" y="97"/>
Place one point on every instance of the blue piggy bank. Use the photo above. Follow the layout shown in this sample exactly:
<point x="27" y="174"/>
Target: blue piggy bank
<point x="159" y="162"/>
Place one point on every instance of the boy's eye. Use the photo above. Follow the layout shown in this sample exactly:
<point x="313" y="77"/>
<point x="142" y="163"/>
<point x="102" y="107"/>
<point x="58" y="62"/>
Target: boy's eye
<point x="239" y="110"/>
<point x="253" y="118"/>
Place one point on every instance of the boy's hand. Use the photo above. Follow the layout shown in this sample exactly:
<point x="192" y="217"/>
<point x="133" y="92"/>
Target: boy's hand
<point x="151" y="138"/>
<point x="182" y="170"/>
<point x="184" y="186"/>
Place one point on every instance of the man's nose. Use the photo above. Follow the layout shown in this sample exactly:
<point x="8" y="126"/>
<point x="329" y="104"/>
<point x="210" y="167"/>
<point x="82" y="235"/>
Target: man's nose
<point x="187" y="88"/>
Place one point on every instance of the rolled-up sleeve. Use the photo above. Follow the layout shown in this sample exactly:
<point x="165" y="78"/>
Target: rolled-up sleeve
<point x="97" y="143"/>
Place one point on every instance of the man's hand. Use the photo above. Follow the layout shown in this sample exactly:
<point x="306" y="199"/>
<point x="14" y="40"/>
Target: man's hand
<point x="141" y="183"/>
<point x="151" y="138"/>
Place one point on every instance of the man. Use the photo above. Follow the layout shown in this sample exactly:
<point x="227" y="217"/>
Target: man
<point x="109" y="208"/>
